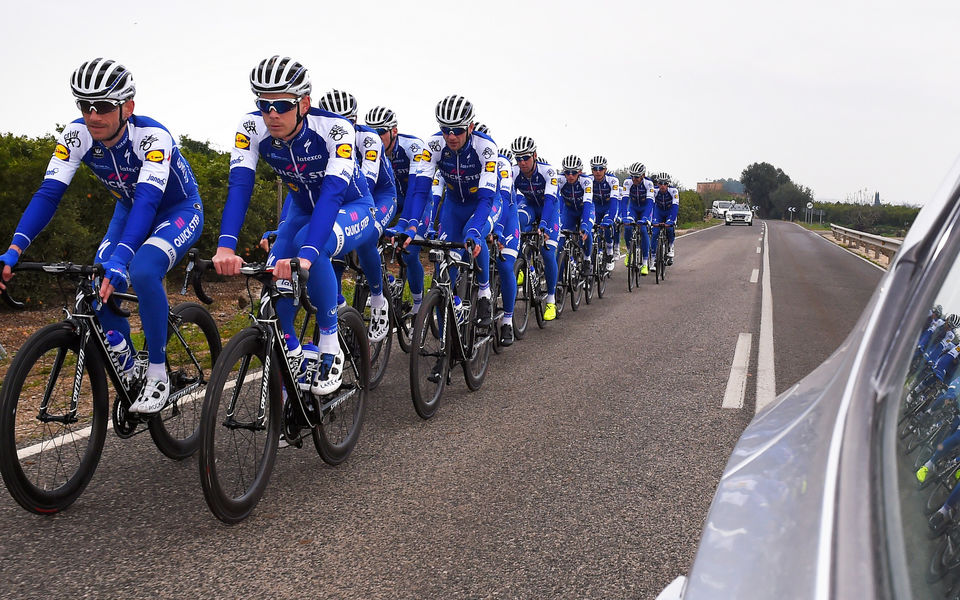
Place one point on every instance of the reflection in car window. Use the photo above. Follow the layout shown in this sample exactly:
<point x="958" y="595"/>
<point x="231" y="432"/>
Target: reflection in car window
<point x="928" y="444"/>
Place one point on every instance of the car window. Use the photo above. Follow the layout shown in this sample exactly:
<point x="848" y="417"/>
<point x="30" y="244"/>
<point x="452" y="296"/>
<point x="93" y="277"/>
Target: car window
<point x="928" y="448"/>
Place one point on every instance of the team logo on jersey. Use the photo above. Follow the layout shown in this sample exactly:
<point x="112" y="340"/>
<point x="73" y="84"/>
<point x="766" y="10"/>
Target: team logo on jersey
<point x="588" y="189"/>
<point x="72" y="138"/>
<point x="155" y="156"/>
<point x="337" y="133"/>
<point x="293" y="188"/>
<point x="344" y="151"/>
<point x="368" y="141"/>
<point x="436" y="182"/>
<point x="415" y="148"/>
<point x="551" y="172"/>
<point x="473" y="190"/>
<point x="371" y="155"/>
<point x="490" y="167"/>
<point x="553" y="181"/>
<point x="434" y="145"/>
<point x="487" y="152"/>
<point x="250" y="126"/>
<point x="61" y="152"/>
<point x="503" y="173"/>
<point x="242" y="142"/>
<point x="147" y="142"/>
<point x="116" y="194"/>
<point x="97" y="152"/>
<point x="417" y="157"/>
<point x="426" y="156"/>
<point x="277" y="143"/>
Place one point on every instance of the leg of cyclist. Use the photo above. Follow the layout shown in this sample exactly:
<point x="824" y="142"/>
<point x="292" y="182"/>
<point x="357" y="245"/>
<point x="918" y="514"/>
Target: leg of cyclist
<point x="644" y="247"/>
<point x="654" y="239"/>
<point x="372" y="268"/>
<point x="508" y="283"/>
<point x="175" y="232"/>
<point x="109" y="320"/>
<point x="944" y="447"/>
<point x="549" y="252"/>
<point x="454" y="225"/>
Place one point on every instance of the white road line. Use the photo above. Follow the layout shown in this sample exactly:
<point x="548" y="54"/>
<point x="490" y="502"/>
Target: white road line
<point x="755" y="275"/>
<point x="737" y="384"/>
<point x="85" y="432"/>
<point x="759" y="249"/>
<point x="766" y="375"/>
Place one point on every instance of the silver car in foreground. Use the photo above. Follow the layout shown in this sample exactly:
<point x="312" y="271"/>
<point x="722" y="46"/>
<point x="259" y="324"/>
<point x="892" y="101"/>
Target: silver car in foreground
<point x="738" y="214"/>
<point x="821" y="498"/>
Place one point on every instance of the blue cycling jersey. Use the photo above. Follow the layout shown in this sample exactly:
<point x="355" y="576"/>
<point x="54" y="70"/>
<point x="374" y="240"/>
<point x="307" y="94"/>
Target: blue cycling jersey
<point x="144" y="171"/>
<point x="469" y="175"/>
<point x="374" y="162"/>
<point x="577" y="199"/>
<point x="667" y="204"/>
<point x="538" y="190"/>
<point x="317" y="166"/>
<point x="638" y="200"/>
<point x="405" y="159"/>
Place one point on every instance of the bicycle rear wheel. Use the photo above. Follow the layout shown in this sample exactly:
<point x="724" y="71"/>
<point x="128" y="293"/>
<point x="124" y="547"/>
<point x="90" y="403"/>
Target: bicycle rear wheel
<point x="478" y="341"/>
<point x="379" y="351"/>
<point x="631" y="260"/>
<point x="600" y="273"/>
<point x="538" y="285"/>
<point x="240" y="426"/>
<point x="496" y="308"/>
<point x="430" y="355"/>
<point x="659" y="259"/>
<point x="192" y="350"/>
<point x="343" y="411"/>
<point x="574" y="278"/>
<point x="523" y="304"/>
<point x="47" y="453"/>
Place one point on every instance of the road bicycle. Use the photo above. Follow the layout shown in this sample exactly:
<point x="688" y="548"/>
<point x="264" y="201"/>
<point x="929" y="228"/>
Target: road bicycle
<point x="54" y="404"/>
<point x="572" y="276"/>
<point x="255" y="398"/>
<point x="437" y="347"/>
<point x="660" y="254"/>
<point x="532" y="278"/>
<point x="600" y="273"/>
<point x="635" y="256"/>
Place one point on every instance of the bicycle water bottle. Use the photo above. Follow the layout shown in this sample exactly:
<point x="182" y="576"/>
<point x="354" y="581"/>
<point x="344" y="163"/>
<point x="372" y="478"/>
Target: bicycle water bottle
<point x="120" y="353"/>
<point x="308" y="368"/>
<point x="459" y="310"/>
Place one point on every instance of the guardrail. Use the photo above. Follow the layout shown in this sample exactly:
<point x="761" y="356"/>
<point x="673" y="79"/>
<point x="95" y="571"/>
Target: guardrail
<point x="879" y="245"/>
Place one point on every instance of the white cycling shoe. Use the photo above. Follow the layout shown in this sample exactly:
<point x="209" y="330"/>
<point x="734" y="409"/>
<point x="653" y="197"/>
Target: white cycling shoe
<point x="379" y="323"/>
<point x="330" y="376"/>
<point x="153" y="397"/>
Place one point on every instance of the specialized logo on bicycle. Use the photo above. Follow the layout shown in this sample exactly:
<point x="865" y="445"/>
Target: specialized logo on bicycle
<point x="72" y="138"/>
<point x="337" y="133"/>
<point x="250" y="126"/>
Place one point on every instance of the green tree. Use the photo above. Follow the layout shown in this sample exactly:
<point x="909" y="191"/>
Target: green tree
<point x="691" y="208"/>
<point x="760" y="180"/>
<point x="786" y="195"/>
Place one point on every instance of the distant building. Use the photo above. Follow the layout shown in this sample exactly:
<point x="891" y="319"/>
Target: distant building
<point x="876" y="199"/>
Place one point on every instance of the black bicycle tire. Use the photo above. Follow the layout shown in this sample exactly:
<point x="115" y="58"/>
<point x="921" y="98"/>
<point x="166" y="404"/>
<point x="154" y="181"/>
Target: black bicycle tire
<point x="170" y="445"/>
<point x="26" y="494"/>
<point x="520" y="323"/>
<point x="228" y="509"/>
<point x="427" y="407"/>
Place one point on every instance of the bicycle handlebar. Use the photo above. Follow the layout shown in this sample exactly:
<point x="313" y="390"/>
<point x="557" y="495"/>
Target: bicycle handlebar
<point x="196" y="267"/>
<point x="59" y="268"/>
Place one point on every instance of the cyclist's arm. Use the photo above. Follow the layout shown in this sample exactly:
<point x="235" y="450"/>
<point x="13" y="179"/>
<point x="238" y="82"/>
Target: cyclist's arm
<point x="370" y="160"/>
<point x="151" y="185"/>
<point x="243" y="167"/>
<point x="675" y="207"/>
<point x="488" y="187"/>
<point x="551" y="207"/>
<point x="340" y="169"/>
<point x="418" y="186"/>
<point x="60" y="171"/>
<point x="588" y="214"/>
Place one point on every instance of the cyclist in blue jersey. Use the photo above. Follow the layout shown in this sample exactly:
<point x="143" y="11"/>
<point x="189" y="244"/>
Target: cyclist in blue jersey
<point x="576" y="201"/>
<point x="405" y="153"/>
<point x="537" y="206"/>
<point x="666" y="206"/>
<point x="330" y="212"/>
<point x="607" y="203"/>
<point x="158" y="215"/>
<point x="467" y="161"/>
<point x="637" y="207"/>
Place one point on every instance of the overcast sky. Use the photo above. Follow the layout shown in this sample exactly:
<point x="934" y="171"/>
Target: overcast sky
<point x="842" y="95"/>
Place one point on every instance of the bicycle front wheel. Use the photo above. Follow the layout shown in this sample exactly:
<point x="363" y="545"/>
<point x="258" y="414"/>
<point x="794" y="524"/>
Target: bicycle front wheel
<point x="430" y="354"/>
<point x="343" y="411"/>
<point x="560" y="294"/>
<point x="240" y="426"/>
<point x="379" y="351"/>
<point x="523" y="303"/>
<point x="192" y="349"/>
<point x="575" y="278"/>
<point x="477" y="341"/>
<point x="48" y="449"/>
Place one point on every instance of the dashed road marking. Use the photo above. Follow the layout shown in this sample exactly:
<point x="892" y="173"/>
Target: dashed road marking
<point x="755" y="276"/>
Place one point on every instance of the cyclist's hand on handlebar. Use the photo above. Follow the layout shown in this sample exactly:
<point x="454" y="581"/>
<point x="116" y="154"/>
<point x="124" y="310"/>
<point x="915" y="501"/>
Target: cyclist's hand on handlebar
<point x="408" y="236"/>
<point x="226" y="261"/>
<point x="115" y="278"/>
<point x="282" y="269"/>
<point x="9" y="259"/>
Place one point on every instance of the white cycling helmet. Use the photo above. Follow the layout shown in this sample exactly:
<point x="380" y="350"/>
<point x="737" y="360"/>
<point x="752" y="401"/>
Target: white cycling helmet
<point x="523" y="145"/>
<point x="280" y="75"/>
<point x="571" y="163"/>
<point x="637" y="169"/>
<point x="599" y="161"/>
<point x="663" y="178"/>
<point x="508" y="153"/>
<point x="481" y="128"/>
<point x="954" y="321"/>
<point x="454" y="111"/>
<point x="340" y="103"/>
<point x="102" y="79"/>
<point x="381" y="117"/>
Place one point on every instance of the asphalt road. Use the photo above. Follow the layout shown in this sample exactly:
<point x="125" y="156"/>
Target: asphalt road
<point x="582" y="469"/>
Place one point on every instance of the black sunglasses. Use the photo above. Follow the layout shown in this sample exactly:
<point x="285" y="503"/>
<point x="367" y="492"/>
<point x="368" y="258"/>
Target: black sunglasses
<point x="279" y="105"/>
<point x="383" y="130"/>
<point x="597" y="168"/>
<point x="524" y="157"/>
<point x="453" y="130"/>
<point x="100" y="106"/>
<point x="571" y="172"/>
